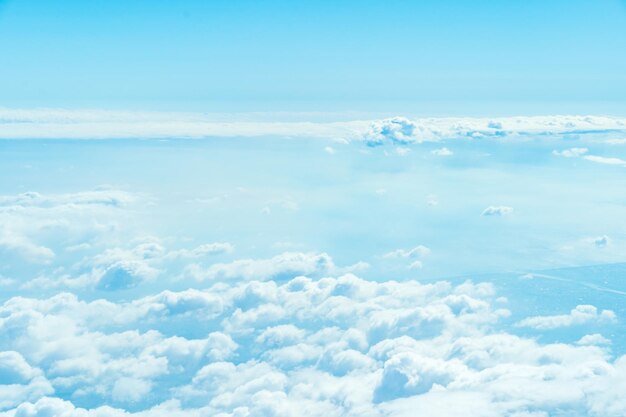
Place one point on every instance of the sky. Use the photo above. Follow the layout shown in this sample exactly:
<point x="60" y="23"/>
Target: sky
<point x="304" y="209"/>
<point x="427" y="58"/>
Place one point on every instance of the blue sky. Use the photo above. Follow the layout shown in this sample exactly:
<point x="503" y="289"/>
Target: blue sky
<point x="425" y="58"/>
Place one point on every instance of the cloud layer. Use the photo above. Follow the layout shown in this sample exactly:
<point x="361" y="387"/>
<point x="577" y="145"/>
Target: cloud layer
<point x="338" y="346"/>
<point x="100" y="124"/>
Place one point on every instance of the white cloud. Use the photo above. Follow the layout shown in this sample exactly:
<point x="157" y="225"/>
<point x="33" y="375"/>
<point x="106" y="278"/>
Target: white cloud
<point x="497" y="211"/>
<point x="605" y="160"/>
<point x="21" y="245"/>
<point x="284" y="266"/>
<point x="206" y="249"/>
<point x="14" y="369"/>
<point x="416" y="252"/>
<point x="442" y="152"/>
<point x="582" y="152"/>
<point x="86" y="124"/>
<point x="397" y="130"/>
<point x="130" y="390"/>
<point x="593" y="339"/>
<point x="32" y="223"/>
<point x="332" y="346"/>
<point x="104" y="197"/>
<point x="582" y="314"/>
<point x="571" y="152"/>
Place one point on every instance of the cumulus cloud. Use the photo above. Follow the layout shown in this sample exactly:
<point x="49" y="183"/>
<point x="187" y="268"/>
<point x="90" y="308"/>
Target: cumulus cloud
<point x="38" y="227"/>
<point x="130" y="390"/>
<point x="497" y="211"/>
<point x="581" y="314"/>
<point x="14" y="369"/>
<point x="397" y="130"/>
<point x="13" y="243"/>
<point x="338" y="346"/>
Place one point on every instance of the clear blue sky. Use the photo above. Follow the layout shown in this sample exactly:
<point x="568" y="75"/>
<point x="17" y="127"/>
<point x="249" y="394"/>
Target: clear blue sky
<point x="430" y="57"/>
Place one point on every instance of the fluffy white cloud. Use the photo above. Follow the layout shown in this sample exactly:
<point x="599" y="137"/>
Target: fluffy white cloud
<point x="19" y="382"/>
<point x="33" y="224"/>
<point x="291" y="335"/>
<point x="13" y="243"/>
<point x="581" y="314"/>
<point x="397" y="130"/>
<point x="14" y="369"/>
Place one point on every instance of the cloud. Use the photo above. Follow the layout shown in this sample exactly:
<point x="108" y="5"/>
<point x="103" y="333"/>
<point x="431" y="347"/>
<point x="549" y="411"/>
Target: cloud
<point x="593" y="339"/>
<point x="39" y="227"/>
<point x="14" y="369"/>
<point x="24" y="247"/>
<point x="333" y="345"/>
<point x="571" y="152"/>
<point x="124" y="275"/>
<point x="601" y="241"/>
<point x="130" y="390"/>
<point x="581" y="152"/>
<point x="206" y="249"/>
<point x="582" y="314"/>
<point x="284" y="266"/>
<point x="497" y="211"/>
<point x="402" y="151"/>
<point x="104" y="197"/>
<point x="442" y="152"/>
<point x="605" y="160"/>
<point x="416" y="252"/>
<point x="101" y="124"/>
<point x="397" y="130"/>
<point x="19" y="382"/>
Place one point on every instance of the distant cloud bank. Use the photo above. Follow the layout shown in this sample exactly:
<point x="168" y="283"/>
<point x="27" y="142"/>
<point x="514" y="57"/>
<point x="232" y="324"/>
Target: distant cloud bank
<point x="101" y="124"/>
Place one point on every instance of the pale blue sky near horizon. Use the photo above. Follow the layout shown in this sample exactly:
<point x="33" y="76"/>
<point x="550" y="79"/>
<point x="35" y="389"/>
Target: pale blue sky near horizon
<point x="417" y="58"/>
